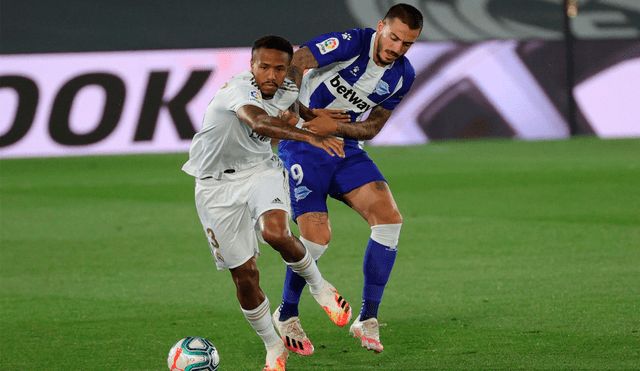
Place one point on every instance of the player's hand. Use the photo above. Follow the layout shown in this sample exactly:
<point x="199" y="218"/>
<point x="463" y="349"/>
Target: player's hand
<point x="333" y="146"/>
<point x="322" y="125"/>
<point x="335" y="114"/>
<point x="289" y="117"/>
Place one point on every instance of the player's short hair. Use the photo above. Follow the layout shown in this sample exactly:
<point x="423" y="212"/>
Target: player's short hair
<point x="407" y="14"/>
<point x="273" y="42"/>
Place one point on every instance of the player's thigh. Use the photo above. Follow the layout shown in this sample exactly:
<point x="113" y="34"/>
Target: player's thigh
<point x="226" y="221"/>
<point x="375" y="203"/>
<point x="310" y="173"/>
<point x="269" y="190"/>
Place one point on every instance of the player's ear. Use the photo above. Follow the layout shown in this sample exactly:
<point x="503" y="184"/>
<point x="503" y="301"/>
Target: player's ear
<point x="381" y="25"/>
<point x="252" y="60"/>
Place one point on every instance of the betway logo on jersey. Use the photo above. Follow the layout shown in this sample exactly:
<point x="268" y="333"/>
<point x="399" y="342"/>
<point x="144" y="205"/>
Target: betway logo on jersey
<point x="351" y="99"/>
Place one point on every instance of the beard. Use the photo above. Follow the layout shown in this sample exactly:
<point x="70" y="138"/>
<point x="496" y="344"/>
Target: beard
<point x="384" y="54"/>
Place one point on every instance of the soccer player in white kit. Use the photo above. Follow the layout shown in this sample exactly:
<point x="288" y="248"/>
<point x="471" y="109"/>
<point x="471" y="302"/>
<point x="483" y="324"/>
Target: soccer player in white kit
<point x="242" y="187"/>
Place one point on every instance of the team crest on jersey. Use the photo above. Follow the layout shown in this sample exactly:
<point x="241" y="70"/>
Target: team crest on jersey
<point x="218" y="256"/>
<point x="328" y="45"/>
<point x="301" y="192"/>
<point x="254" y="94"/>
<point x="382" y="88"/>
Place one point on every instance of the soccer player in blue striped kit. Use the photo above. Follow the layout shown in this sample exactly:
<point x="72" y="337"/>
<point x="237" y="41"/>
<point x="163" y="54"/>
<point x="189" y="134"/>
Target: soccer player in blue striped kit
<point x="350" y="73"/>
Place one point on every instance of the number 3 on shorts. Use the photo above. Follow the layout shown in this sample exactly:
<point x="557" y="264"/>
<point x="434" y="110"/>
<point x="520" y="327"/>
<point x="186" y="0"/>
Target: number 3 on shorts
<point x="297" y="174"/>
<point x="212" y="238"/>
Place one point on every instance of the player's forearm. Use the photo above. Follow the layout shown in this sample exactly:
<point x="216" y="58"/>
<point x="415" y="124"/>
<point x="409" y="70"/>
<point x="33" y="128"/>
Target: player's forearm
<point x="357" y="130"/>
<point x="275" y="128"/>
<point x="367" y="129"/>
<point x="306" y="113"/>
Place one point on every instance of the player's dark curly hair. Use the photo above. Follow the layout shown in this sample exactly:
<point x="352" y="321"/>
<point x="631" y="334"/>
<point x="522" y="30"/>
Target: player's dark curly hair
<point x="406" y="13"/>
<point x="273" y="42"/>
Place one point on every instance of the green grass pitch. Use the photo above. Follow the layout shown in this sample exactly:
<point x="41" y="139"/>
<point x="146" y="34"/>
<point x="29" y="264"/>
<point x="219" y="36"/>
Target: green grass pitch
<point x="513" y="255"/>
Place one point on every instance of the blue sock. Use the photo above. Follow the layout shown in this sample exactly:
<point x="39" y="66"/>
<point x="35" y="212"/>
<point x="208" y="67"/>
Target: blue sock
<point x="377" y="265"/>
<point x="293" y="286"/>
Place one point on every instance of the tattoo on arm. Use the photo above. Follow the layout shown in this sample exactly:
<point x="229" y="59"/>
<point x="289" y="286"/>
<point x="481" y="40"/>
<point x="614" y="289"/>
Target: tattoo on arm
<point x="301" y="61"/>
<point x="367" y="129"/>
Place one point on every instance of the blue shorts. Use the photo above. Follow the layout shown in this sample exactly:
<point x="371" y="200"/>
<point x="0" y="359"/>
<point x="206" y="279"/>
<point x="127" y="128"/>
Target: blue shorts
<point x="314" y="174"/>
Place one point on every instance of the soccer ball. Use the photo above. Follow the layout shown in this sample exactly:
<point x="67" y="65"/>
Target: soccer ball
<point x="193" y="354"/>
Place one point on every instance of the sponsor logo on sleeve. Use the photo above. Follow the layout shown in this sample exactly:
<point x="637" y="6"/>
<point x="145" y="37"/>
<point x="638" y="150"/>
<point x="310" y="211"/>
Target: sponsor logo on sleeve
<point x="328" y="45"/>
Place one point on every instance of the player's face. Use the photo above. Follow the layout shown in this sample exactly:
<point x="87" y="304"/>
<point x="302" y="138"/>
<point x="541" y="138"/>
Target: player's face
<point x="269" y="67"/>
<point x="393" y="40"/>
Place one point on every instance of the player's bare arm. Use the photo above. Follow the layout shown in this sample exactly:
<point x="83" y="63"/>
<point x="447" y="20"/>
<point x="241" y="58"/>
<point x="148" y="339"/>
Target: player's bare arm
<point x="362" y="130"/>
<point x="290" y="115"/>
<point x="367" y="129"/>
<point x="335" y="114"/>
<point x="273" y="127"/>
<point x="302" y="60"/>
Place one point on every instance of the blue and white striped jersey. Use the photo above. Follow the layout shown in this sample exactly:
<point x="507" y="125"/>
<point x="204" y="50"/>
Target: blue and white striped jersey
<point x="348" y="79"/>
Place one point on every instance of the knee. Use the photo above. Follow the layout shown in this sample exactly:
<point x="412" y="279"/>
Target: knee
<point x="384" y="213"/>
<point x="315" y="228"/>
<point x="275" y="231"/>
<point x="391" y="215"/>
<point x="320" y="236"/>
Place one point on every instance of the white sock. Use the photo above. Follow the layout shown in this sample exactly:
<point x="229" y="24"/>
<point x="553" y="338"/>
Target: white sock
<point x="386" y="234"/>
<point x="260" y="320"/>
<point x="307" y="269"/>
<point x="316" y="250"/>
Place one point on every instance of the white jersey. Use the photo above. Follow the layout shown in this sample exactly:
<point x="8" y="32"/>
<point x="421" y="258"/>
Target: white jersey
<point x="228" y="144"/>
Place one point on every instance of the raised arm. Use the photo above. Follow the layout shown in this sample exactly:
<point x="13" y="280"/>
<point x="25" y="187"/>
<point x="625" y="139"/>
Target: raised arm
<point x="302" y="60"/>
<point x="273" y="127"/>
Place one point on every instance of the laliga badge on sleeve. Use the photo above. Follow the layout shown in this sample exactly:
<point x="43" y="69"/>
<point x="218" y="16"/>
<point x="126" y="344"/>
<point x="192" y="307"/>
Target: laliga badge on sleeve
<point x="328" y="45"/>
<point x="255" y="95"/>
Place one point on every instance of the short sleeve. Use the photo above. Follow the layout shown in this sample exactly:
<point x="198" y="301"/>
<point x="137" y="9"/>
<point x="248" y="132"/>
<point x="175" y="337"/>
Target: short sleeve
<point x="337" y="46"/>
<point x="238" y="96"/>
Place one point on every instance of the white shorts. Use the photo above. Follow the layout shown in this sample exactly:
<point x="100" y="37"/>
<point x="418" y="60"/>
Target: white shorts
<point x="229" y="209"/>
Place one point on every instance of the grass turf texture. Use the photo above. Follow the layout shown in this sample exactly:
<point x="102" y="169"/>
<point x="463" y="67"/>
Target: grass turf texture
<point x="513" y="255"/>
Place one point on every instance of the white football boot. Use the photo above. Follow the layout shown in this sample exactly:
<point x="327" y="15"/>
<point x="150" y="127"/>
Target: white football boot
<point x="368" y="332"/>
<point x="292" y="334"/>
<point x="276" y="358"/>
<point x="334" y="304"/>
